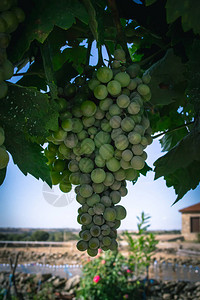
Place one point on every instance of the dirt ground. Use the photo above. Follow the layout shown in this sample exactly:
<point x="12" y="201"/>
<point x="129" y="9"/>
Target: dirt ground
<point x="68" y="254"/>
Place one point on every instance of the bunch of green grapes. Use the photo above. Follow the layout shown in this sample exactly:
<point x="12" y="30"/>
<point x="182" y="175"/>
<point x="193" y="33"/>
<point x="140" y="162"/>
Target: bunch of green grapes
<point x="10" y="17"/>
<point x="99" y="145"/>
<point x="4" y="157"/>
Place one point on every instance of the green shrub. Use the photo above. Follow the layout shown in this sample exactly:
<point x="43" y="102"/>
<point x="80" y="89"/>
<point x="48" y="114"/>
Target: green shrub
<point x="108" y="277"/>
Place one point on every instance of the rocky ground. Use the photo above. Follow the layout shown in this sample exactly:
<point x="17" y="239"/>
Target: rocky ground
<point x="54" y="287"/>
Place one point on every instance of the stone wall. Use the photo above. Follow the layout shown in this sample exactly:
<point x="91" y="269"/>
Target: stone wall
<point x="186" y="230"/>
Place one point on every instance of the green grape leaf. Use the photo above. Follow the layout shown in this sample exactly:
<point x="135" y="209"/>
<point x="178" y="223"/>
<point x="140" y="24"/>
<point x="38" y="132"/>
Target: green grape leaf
<point x="145" y="169"/>
<point x="75" y="55"/>
<point x="180" y="163"/>
<point x="184" y="179"/>
<point x="169" y="140"/>
<point x="34" y="77"/>
<point x="193" y="74"/>
<point x="149" y="2"/>
<point x="27" y="156"/>
<point x="168" y="82"/>
<point x="28" y="110"/>
<point x="187" y="10"/>
<point x="2" y="175"/>
<point x="41" y="20"/>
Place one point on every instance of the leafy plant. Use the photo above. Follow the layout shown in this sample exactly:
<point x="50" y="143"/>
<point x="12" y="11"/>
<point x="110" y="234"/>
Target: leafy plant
<point x="108" y="277"/>
<point x="143" y="246"/>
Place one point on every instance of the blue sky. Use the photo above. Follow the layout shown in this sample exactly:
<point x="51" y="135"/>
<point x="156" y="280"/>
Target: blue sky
<point x="28" y="202"/>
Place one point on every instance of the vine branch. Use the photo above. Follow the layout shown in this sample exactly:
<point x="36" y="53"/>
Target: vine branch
<point x="120" y="34"/>
<point x="46" y="56"/>
<point x="88" y="51"/>
<point x="29" y="74"/>
<point x="171" y="130"/>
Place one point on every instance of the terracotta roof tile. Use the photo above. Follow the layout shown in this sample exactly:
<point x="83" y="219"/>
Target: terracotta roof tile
<point x="194" y="208"/>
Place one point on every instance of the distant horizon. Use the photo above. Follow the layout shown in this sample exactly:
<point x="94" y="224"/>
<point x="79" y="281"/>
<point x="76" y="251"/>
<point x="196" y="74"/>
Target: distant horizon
<point x="79" y="228"/>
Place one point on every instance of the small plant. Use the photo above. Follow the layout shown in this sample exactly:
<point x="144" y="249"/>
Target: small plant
<point x="143" y="246"/>
<point x="108" y="277"/>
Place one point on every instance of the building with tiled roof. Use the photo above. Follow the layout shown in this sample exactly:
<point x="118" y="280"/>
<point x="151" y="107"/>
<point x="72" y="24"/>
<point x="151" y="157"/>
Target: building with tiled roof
<point x="191" y="222"/>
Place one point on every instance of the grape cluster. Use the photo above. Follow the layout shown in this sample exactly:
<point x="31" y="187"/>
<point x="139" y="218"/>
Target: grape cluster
<point x="10" y="17"/>
<point x="4" y="157"/>
<point x="99" y="145"/>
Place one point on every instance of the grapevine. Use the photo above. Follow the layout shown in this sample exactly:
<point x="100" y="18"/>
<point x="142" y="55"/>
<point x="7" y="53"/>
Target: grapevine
<point x="10" y="17"/>
<point x="100" y="145"/>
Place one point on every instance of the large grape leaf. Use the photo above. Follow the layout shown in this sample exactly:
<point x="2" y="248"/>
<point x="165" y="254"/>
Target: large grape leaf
<point x="41" y="19"/>
<point x="27" y="110"/>
<point x="168" y="81"/>
<point x="169" y="140"/>
<point x="193" y="74"/>
<point x="27" y="155"/>
<point x="149" y="2"/>
<point x="180" y="166"/>
<point x="187" y="10"/>
<point x="75" y="55"/>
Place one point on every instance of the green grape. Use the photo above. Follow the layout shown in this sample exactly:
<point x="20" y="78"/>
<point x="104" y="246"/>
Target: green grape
<point x="92" y="200"/>
<point x="123" y="191"/>
<point x="91" y="211"/>
<point x="113" y="233"/>
<point x="99" y="208"/>
<point x="115" y="196"/>
<point x="106" y="241"/>
<point x="85" y="219"/>
<point x="117" y="224"/>
<point x="95" y="231"/>
<point x="98" y="187"/>
<point x="85" y="235"/>
<point x="106" y="151"/>
<point x="98" y="220"/>
<point x="85" y="178"/>
<point x="3" y="89"/>
<point x="84" y="208"/>
<point x="104" y="74"/>
<point x="98" y="175"/>
<point x="86" y="165"/>
<point x="106" y="201"/>
<point x="86" y="190"/>
<point x="109" y="214"/>
<point x="120" y="212"/>
<point x="4" y="158"/>
<point x="80" y="199"/>
<point x="2" y="138"/>
<point x="109" y="180"/>
<point x="65" y="187"/>
<point x="114" y="245"/>
<point x="73" y="166"/>
<point x="116" y="185"/>
<point x="105" y="230"/>
<point x="92" y="252"/>
<point x="19" y="14"/>
<point x="82" y="245"/>
<point x="93" y="243"/>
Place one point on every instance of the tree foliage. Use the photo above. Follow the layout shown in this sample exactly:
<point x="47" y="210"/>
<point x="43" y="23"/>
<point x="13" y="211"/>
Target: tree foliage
<point x="54" y="43"/>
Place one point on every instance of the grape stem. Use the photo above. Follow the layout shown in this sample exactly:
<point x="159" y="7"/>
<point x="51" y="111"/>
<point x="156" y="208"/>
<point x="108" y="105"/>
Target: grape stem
<point x="171" y="130"/>
<point x="100" y="59"/>
<point x="29" y="74"/>
<point x="120" y="34"/>
<point x="48" y="68"/>
<point x="109" y="55"/>
<point x="146" y="60"/>
<point x="90" y="40"/>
